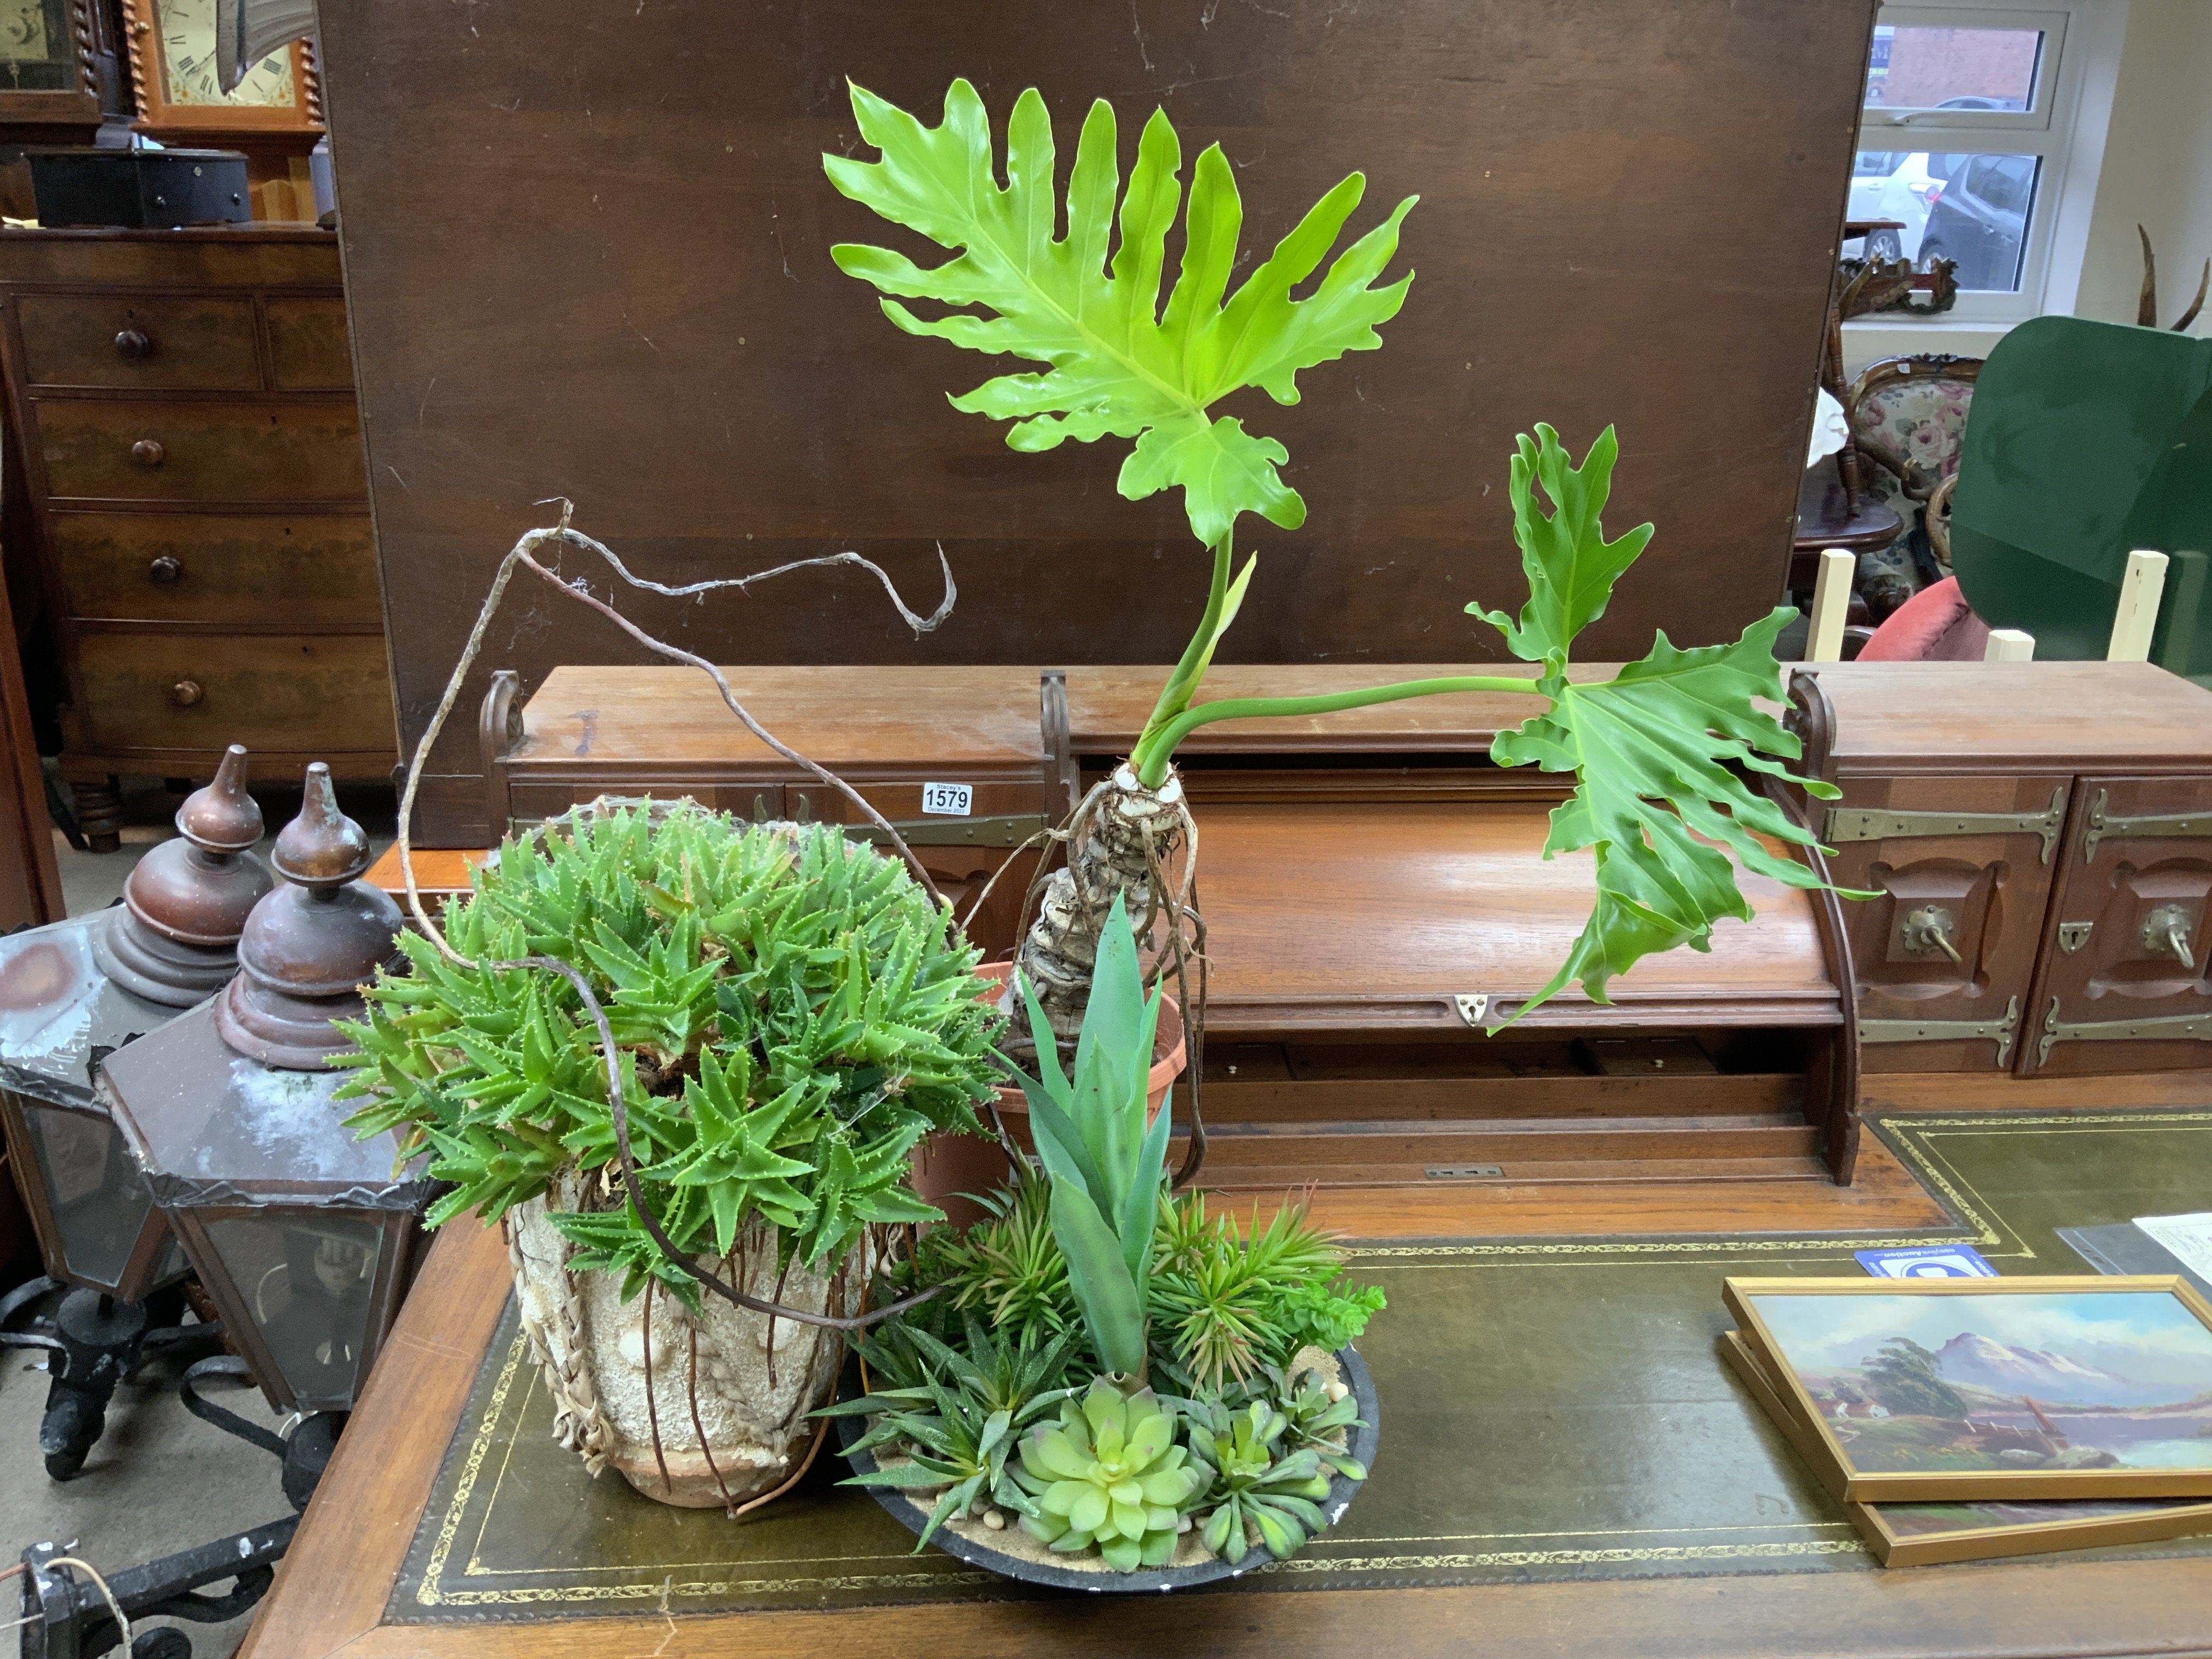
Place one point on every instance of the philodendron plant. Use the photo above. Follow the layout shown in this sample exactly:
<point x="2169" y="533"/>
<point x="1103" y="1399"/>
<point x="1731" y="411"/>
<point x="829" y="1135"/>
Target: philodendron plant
<point x="1654" y="749"/>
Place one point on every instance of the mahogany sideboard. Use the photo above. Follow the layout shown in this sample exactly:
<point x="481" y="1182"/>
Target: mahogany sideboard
<point x="180" y="404"/>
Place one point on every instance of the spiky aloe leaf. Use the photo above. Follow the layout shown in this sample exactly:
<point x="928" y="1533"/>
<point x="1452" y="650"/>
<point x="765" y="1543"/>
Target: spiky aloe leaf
<point x="1654" y="747"/>
<point x="1118" y="365"/>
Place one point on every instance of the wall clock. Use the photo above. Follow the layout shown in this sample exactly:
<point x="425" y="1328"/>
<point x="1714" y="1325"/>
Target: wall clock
<point x="46" y="71"/>
<point x="174" y="68"/>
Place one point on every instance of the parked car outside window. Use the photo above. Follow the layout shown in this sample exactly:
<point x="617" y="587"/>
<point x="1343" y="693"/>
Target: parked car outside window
<point x="1980" y="220"/>
<point x="1901" y="185"/>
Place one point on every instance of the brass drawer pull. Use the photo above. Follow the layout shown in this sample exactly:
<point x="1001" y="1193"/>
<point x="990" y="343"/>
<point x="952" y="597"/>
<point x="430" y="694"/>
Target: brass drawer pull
<point x="149" y="452"/>
<point x="165" y="571"/>
<point x="185" y="693"/>
<point x="134" y="344"/>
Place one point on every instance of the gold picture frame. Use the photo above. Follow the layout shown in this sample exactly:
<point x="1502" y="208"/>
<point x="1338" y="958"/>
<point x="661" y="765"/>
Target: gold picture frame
<point x="1897" y="1537"/>
<point x="2127" y="1438"/>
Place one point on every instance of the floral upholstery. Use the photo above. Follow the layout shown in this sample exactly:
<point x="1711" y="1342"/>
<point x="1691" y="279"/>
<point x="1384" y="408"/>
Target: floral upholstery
<point x="1915" y="427"/>
<point x="1910" y="431"/>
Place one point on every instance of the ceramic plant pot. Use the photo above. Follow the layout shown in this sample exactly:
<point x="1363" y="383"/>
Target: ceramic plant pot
<point x="947" y="1166"/>
<point x="970" y="1540"/>
<point x="723" y="1371"/>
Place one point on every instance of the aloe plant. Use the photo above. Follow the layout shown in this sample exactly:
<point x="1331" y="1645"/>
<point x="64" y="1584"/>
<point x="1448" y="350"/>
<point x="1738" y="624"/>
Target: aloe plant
<point x="789" y="1017"/>
<point x="1653" y="750"/>
<point x="1107" y="1166"/>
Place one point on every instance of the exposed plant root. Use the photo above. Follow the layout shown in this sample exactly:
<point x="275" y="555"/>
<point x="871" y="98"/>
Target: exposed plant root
<point x="1115" y="840"/>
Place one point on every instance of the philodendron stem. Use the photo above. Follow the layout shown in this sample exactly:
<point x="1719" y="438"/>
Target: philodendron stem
<point x="1153" y="750"/>
<point x="1175" y="694"/>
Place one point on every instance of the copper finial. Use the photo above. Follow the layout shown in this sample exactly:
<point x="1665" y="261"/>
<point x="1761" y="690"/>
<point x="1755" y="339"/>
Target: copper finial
<point x="175" y="939"/>
<point x="311" y="943"/>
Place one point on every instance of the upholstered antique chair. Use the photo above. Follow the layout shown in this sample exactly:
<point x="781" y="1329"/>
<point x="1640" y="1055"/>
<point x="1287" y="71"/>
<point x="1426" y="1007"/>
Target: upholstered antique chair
<point x="1908" y="418"/>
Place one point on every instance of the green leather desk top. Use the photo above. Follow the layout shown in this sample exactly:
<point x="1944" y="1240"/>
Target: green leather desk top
<point x="1551" y="1410"/>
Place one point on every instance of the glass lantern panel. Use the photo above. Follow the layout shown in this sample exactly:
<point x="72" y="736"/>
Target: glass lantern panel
<point x="99" y="1199"/>
<point x="306" y="1278"/>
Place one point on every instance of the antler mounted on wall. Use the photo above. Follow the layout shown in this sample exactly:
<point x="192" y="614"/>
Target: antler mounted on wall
<point x="2147" y="305"/>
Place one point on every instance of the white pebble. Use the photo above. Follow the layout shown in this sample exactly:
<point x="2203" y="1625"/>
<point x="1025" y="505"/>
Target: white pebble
<point x="995" y="1520"/>
<point x="1337" y="1391"/>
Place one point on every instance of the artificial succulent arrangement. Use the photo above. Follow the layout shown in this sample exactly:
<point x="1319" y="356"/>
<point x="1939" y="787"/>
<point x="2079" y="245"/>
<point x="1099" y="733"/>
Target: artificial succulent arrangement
<point x="1658" y="751"/>
<point x="789" y="1018"/>
<point x="1122" y="1376"/>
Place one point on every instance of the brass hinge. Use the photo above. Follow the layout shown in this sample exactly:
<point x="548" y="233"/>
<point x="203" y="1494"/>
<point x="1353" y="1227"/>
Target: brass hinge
<point x="1999" y="1031"/>
<point x="2171" y="824"/>
<point x="1008" y="830"/>
<point x="1859" y="824"/>
<point x="2157" y="1028"/>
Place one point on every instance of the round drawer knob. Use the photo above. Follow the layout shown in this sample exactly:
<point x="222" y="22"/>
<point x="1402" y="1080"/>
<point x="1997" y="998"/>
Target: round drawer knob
<point x="133" y="343"/>
<point x="164" y="570"/>
<point x="185" y="693"/>
<point x="148" y="453"/>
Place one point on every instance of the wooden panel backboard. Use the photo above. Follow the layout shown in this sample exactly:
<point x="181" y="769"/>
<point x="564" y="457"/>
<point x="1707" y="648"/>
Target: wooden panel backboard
<point x="587" y="254"/>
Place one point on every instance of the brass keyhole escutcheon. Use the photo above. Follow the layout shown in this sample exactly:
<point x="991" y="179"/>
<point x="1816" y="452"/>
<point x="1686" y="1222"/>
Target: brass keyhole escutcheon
<point x="2165" y="934"/>
<point x="1928" y="929"/>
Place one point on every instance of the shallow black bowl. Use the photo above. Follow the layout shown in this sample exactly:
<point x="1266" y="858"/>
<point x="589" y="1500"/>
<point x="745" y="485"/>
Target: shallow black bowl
<point x="913" y="1516"/>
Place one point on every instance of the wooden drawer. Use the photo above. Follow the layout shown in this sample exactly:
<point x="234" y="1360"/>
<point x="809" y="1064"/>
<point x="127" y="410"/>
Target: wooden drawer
<point x="270" y="692"/>
<point x="2127" y="980"/>
<point x="308" y="348"/>
<point x="202" y="452"/>
<point x="1961" y="868"/>
<point x="202" y="344"/>
<point x="247" y="568"/>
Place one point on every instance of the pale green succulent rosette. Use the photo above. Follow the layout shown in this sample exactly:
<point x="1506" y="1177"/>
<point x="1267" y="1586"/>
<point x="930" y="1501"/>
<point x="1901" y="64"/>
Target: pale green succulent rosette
<point x="1109" y="1473"/>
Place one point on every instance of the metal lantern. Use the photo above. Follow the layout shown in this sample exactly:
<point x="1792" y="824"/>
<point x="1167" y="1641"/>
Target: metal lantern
<point x="304" y="1236"/>
<point x="71" y="994"/>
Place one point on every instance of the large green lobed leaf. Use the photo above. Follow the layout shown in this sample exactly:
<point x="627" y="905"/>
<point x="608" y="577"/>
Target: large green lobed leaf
<point x="1117" y="364"/>
<point x="1658" y="747"/>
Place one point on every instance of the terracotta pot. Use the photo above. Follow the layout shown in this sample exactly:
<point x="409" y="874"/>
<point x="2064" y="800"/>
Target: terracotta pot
<point x="946" y="1166"/>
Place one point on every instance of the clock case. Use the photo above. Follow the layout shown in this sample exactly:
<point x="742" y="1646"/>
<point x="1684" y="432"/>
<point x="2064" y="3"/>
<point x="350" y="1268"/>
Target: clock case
<point x="159" y="118"/>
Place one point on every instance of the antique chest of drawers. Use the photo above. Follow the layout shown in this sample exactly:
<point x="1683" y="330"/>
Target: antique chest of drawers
<point x="2039" y="837"/>
<point x="181" y="417"/>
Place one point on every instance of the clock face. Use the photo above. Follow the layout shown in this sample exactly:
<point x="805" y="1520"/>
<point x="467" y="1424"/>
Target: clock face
<point x="34" y="54"/>
<point x="190" y="70"/>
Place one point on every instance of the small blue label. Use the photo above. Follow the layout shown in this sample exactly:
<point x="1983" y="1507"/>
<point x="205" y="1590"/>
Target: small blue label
<point x="1927" y="1261"/>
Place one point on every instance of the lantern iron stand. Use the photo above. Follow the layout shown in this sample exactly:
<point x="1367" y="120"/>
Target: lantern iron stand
<point x="67" y="1616"/>
<point x="94" y="1341"/>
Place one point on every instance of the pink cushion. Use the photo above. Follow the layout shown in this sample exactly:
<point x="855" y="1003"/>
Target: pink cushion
<point x="1934" y="625"/>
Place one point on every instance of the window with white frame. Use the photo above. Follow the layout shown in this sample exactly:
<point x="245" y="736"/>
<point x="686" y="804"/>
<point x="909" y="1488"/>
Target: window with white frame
<point x="1963" y="144"/>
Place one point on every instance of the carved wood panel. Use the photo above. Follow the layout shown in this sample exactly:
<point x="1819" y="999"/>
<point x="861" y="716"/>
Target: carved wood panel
<point x="2127" y="977"/>
<point x="1944" y="953"/>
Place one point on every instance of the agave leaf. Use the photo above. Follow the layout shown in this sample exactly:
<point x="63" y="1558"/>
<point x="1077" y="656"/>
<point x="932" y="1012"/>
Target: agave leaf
<point x="1116" y="364"/>
<point x="1654" y="746"/>
<point x="1102" y="1284"/>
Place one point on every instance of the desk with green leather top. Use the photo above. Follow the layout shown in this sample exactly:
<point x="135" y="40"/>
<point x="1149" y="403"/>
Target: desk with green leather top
<point x="1566" y="1468"/>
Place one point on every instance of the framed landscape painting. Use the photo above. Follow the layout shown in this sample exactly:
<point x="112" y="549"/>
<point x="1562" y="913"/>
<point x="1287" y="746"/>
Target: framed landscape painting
<point x="1971" y="1389"/>
<point x="1927" y="1534"/>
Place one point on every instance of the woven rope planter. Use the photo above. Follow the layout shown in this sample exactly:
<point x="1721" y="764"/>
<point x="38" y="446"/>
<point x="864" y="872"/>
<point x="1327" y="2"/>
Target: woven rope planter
<point x="724" y="1418"/>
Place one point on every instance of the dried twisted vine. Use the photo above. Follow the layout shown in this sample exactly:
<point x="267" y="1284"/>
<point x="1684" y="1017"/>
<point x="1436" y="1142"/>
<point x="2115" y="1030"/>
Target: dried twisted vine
<point x="520" y="555"/>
